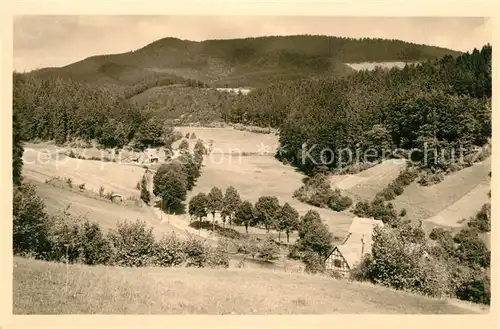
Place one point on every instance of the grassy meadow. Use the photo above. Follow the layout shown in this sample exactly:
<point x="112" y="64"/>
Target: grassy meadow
<point x="52" y="288"/>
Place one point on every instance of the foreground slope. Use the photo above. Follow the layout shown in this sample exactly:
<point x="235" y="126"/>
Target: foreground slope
<point x="242" y="62"/>
<point x="39" y="288"/>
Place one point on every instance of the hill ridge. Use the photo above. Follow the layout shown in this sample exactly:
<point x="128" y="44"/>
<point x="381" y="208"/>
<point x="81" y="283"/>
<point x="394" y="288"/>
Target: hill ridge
<point x="250" y="61"/>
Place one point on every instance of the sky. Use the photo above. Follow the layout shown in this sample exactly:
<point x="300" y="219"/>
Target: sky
<point x="53" y="41"/>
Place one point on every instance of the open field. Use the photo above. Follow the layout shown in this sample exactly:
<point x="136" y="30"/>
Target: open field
<point x="103" y="212"/>
<point x="43" y="161"/>
<point x="366" y="184"/>
<point x="232" y="141"/>
<point x="460" y="195"/>
<point x="372" y="65"/>
<point x="39" y="288"/>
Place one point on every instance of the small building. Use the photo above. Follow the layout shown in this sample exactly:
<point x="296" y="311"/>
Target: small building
<point x="357" y="244"/>
<point x="153" y="158"/>
<point x="117" y="198"/>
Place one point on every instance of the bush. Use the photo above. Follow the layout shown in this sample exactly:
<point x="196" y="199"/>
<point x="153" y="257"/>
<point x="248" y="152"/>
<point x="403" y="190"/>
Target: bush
<point x="249" y="246"/>
<point x="337" y="202"/>
<point x="169" y="251"/>
<point x="77" y="240"/>
<point x="294" y="252"/>
<point x="362" y="209"/>
<point x="30" y="227"/>
<point x="132" y="244"/>
<point x="316" y="191"/>
<point x="196" y="252"/>
<point x="361" y="271"/>
<point x="476" y="288"/>
<point x="397" y="262"/>
<point x="217" y="257"/>
<point x="482" y="220"/>
<point x="313" y="263"/>
<point x="269" y="251"/>
<point x="428" y="178"/>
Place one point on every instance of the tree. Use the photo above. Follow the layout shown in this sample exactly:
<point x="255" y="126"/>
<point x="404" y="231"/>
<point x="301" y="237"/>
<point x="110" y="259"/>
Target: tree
<point x="30" y="227"/>
<point x="144" y="190"/>
<point x="17" y="150"/>
<point x="184" y="146"/>
<point x="267" y="210"/>
<point x="482" y="220"/>
<point x="169" y="183"/>
<point x="199" y="148"/>
<point x="399" y="263"/>
<point x="215" y="199"/>
<point x="288" y="221"/>
<point x="230" y="202"/>
<point x="190" y="168"/>
<point x="244" y="215"/>
<point x="150" y="134"/>
<point x="198" y="206"/>
<point x="314" y="236"/>
<point x="269" y="250"/>
<point x="132" y="243"/>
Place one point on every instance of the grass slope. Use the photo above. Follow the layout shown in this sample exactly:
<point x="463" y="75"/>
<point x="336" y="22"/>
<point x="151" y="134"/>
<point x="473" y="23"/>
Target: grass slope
<point x="257" y="174"/>
<point x="460" y="195"/>
<point x="242" y="62"/>
<point x="103" y="212"/>
<point x="41" y="288"/>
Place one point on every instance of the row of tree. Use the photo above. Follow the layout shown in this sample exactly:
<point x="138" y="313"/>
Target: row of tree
<point x="266" y="212"/>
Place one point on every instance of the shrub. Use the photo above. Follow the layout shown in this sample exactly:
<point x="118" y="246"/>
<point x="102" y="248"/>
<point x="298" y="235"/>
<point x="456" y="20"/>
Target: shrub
<point x="169" y="251"/>
<point x="30" y="227"/>
<point x="77" y="240"/>
<point x="361" y="271"/>
<point x="249" y="246"/>
<point x="132" y="244"/>
<point x="338" y="202"/>
<point x="69" y="182"/>
<point x="145" y="195"/>
<point x="217" y="257"/>
<point x="101" y="191"/>
<point x="476" y="288"/>
<point x="482" y="220"/>
<point x="429" y="178"/>
<point x="196" y="252"/>
<point x="109" y="195"/>
<point x="294" y="252"/>
<point x="269" y="251"/>
<point x="313" y="263"/>
<point x="81" y="186"/>
<point x="433" y="278"/>
<point x="362" y="209"/>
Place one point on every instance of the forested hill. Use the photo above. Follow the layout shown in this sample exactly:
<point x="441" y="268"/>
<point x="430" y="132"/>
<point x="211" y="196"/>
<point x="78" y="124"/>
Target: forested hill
<point x="249" y="62"/>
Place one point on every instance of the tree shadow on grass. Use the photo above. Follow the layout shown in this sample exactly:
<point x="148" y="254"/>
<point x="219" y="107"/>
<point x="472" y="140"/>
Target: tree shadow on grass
<point x="223" y="231"/>
<point x="179" y="209"/>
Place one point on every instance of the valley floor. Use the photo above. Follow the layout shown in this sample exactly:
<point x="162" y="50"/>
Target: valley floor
<point x="41" y="288"/>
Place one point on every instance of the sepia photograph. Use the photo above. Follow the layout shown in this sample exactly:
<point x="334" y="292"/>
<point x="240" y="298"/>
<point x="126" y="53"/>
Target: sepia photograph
<point x="251" y="165"/>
